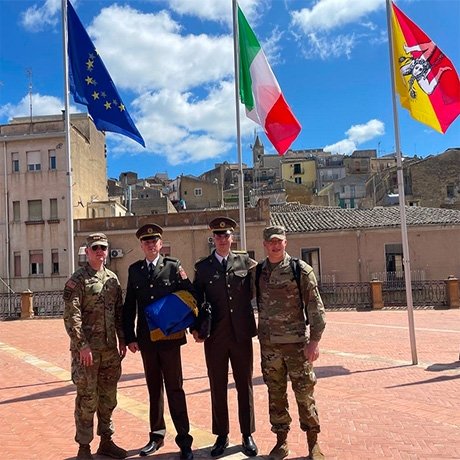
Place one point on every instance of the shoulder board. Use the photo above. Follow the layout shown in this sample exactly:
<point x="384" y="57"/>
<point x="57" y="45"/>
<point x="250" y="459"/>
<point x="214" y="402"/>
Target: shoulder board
<point x="201" y="259"/>
<point x="172" y="259"/>
<point x="240" y="252"/>
<point x="138" y="262"/>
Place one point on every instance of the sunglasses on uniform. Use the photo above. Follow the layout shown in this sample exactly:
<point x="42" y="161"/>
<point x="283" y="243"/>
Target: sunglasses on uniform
<point x="98" y="246"/>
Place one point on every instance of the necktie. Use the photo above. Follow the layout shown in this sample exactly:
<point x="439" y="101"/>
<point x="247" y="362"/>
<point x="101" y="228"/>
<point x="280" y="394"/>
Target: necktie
<point x="224" y="264"/>
<point x="151" y="269"/>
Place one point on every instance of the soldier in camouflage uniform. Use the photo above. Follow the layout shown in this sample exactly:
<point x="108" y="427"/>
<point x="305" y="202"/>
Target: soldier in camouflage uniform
<point x="92" y="318"/>
<point x="286" y="346"/>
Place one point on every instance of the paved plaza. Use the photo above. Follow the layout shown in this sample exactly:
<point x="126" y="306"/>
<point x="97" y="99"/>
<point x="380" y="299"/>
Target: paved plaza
<point x="373" y="403"/>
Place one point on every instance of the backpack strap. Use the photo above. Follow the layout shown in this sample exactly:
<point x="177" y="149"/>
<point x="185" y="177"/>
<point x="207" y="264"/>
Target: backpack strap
<point x="296" y="271"/>
<point x="258" y="273"/>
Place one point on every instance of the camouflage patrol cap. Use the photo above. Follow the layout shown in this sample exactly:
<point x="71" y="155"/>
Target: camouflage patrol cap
<point x="149" y="232"/>
<point x="274" y="231"/>
<point x="96" y="239"/>
<point x="222" y="225"/>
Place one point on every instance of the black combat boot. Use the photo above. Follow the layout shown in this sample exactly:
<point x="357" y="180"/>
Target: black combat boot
<point x="110" y="449"/>
<point x="314" y="451"/>
<point x="281" y="449"/>
<point x="84" y="452"/>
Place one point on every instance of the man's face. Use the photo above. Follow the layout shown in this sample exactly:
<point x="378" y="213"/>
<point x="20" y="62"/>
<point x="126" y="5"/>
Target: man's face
<point x="223" y="242"/>
<point x="275" y="249"/>
<point x="152" y="247"/>
<point x="96" y="254"/>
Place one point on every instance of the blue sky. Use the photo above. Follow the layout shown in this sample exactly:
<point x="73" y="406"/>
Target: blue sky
<point x="172" y="62"/>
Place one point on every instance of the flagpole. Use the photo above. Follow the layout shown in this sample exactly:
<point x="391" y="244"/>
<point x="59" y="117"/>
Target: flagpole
<point x="402" y="198"/>
<point x="70" y="229"/>
<point x="238" y="130"/>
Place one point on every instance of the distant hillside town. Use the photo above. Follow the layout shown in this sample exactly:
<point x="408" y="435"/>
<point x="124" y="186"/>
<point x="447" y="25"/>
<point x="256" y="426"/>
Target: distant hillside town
<point x="325" y="201"/>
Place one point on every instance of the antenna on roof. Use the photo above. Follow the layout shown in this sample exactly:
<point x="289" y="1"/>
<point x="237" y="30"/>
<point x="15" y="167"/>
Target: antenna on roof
<point x="29" y="75"/>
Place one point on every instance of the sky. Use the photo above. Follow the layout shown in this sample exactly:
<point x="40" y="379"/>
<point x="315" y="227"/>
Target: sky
<point x="172" y="63"/>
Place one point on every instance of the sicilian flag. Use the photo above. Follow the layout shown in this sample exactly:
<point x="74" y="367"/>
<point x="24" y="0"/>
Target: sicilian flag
<point x="426" y="80"/>
<point x="171" y="314"/>
<point x="260" y="92"/>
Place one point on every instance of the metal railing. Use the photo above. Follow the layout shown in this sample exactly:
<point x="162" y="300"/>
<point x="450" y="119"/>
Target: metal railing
<point x="48" y="303"/>
<point x="10" y="306"/>
<point x="430" y="293"/>
<point x="346" y="295"/>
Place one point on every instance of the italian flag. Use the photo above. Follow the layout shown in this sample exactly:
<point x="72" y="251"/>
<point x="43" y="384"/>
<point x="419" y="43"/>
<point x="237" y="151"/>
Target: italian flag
<point x="260" y="92"/>
<point x="426" y="80"/>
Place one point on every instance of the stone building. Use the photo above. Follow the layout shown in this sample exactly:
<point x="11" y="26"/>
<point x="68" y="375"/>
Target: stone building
<point x="33" y="213"/>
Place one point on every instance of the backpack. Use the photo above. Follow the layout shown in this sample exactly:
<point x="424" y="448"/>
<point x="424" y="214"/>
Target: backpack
<point x="296" y="270"/>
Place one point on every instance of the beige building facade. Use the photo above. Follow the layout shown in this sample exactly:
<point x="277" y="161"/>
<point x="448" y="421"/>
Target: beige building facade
<point x="33" y="209"/>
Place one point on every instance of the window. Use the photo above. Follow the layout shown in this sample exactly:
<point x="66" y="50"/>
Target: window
<point x="52" y="159"/>
<point x="53" y="209"/>
<point x="35" y="210"/>
<point x="16" y="211"/>
<point x="17" y="264"/>
<point x="15" y="162"/>
<point x="198" y="192"/>
<point x="36" y="262"/>
<point x="34" y="161"/>
<point x="450" y="189"/>
<point x="54" y="261"/>
<point x="297" y="168"/>
<point x="311" y="256"/>
<point x="352" y="191"/>
<point x="298" y="180"/>
<point x="394" y="261"/>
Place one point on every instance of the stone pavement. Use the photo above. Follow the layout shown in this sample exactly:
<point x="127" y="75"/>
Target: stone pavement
<point x="373" y="403"/>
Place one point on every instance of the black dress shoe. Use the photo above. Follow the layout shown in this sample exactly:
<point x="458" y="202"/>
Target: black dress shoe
<point x="249" y="446"/>
<point x="219" y="446"/>
<point x="151" y="447"/>
<point x="186" y="453"/>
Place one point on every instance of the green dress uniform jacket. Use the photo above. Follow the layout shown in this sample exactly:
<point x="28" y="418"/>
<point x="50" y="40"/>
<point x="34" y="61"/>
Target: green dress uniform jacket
<point x="161" y="359"/>
<point x="232" y="328"/>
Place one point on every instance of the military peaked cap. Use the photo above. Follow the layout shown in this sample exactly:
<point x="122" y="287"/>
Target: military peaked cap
<point x="222" y="225"/>
<point x="96" y="239"/>
<point x="149" y="231"/>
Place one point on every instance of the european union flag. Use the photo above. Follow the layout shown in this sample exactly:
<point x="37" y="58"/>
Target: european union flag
<point x="91" y="84"/>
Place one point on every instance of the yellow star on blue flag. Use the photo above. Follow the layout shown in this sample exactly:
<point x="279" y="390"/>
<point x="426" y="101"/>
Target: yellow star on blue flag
<point x="91" y="84"/>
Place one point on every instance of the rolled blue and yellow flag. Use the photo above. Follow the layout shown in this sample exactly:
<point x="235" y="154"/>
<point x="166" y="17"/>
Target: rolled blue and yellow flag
<point x="171" y="314"/>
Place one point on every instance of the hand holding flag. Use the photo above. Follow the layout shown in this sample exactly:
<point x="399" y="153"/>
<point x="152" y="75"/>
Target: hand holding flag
<point x="91" y="84"/>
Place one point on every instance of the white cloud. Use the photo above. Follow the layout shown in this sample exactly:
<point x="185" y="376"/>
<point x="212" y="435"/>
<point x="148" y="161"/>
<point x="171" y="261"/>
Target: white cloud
<point x="327" y="15"/>
<point x="366" y="132"/>
<point x="356" y="135"/>
<point x="326" y="47"/>
<point x="41" y="105"/>
<point x="317" y="27"/>
<point x="214" y="10"/>
<point x="38" y="18"/>
<point x="183" y="128"/>
<point x="148" y="51"/>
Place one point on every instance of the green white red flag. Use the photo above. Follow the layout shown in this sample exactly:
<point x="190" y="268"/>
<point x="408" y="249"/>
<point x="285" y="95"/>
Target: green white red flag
<point x="261" y="93"/>
<point x="426" y="80"/>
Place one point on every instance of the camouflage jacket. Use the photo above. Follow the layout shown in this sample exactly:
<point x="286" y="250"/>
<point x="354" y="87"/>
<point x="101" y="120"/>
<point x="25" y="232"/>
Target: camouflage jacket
<point x="93" y="307"/>
<point x="281" y="317"/>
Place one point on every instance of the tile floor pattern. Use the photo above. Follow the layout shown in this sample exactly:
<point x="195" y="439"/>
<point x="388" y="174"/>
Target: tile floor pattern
<point x="374" y="404"/>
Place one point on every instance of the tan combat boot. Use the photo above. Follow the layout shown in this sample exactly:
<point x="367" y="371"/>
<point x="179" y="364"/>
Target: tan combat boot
<point x="281" y="449"/>
<point x="110" y="449"/>
<point x="84" y="452"/>
<point x="314" y="451"/>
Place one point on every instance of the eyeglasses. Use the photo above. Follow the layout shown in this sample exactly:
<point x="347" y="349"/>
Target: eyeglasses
<point x="98" y="246"/>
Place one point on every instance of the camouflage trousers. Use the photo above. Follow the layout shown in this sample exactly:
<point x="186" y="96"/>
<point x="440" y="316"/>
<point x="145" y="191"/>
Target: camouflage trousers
<point x="96" y="392"/>
<point x="278" y="362"/>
